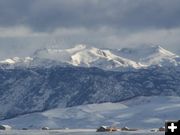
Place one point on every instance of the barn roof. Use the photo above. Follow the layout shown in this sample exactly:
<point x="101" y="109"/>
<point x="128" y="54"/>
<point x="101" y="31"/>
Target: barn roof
<point x="5" y="126"/>
<point x="104" y="127"/>
<point x="125" y="128"/>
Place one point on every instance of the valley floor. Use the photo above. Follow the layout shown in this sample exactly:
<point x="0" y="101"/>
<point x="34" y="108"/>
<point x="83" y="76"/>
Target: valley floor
<point x="140" y="113"/>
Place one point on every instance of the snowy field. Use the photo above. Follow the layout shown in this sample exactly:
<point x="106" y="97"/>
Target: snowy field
<point x="141" y="112"/>
<point x="75" y="132"/>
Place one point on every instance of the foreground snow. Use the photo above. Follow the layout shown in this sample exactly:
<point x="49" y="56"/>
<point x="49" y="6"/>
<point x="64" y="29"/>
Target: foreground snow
<point x="141" y="112"/>
<point x="75" y="132"/>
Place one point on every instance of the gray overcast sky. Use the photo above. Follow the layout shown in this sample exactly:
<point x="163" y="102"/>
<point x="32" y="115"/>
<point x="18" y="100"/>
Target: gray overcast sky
<point x="26" y="25"/>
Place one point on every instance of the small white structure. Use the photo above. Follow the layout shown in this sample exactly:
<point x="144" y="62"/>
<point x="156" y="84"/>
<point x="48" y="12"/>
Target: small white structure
<point x="5" y="127"/>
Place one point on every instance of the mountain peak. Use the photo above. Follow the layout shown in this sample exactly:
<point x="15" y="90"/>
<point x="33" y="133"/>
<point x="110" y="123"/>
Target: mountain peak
<point x="164" y="51"/>
<point x="108" y="59"/>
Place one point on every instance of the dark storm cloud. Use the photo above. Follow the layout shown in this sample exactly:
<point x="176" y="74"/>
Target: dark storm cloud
<point x="14" y="12"/>
<point x="47" y="15"/>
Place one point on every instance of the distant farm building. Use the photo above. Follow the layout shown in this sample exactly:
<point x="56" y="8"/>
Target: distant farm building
<point x="125" y="129"/>
<point x="24" y="128"/>
<point x="106" y="129"/>
<point x="154" y="130"/>
<point x="128" y="129"/>
<point x="45" y="128"/>
<point x="102" y="129"/>
<point x="162" y="129"/>
<point x="5" y="127"/>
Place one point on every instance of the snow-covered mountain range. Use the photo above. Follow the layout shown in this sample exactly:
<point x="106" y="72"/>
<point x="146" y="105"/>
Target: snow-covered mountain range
<point x="60" y="78"/>
<point x="107" y="59"/>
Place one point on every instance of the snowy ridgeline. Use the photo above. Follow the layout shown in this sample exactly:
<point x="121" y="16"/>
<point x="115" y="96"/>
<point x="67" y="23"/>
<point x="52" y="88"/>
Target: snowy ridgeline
<point x="107" y="59"/>
<point x="141" y="112"/>
<point x="75" y="132"/>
